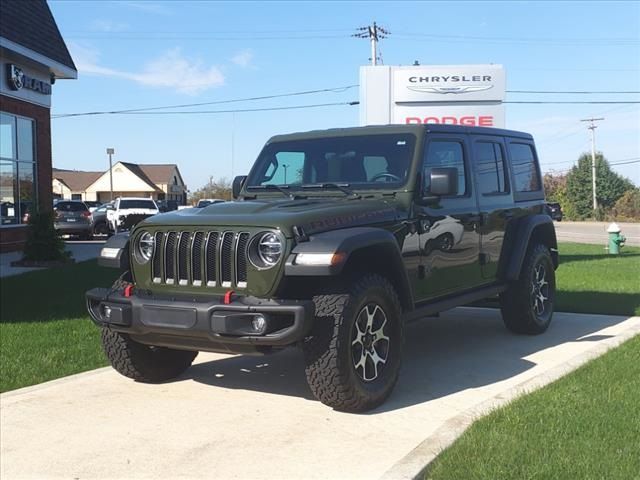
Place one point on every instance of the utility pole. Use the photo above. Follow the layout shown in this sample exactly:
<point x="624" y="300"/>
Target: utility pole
<point x="592" y="126"/>
<point x="110" y="151"/>
<point x="374" y="33"/>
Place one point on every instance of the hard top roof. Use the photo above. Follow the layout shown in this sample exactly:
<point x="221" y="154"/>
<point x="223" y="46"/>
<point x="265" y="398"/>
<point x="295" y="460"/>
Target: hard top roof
<point x="399" y="129"/>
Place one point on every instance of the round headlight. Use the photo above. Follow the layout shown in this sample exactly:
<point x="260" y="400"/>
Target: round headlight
<point x="266" y="250"/>
<point x="144" y="249"/>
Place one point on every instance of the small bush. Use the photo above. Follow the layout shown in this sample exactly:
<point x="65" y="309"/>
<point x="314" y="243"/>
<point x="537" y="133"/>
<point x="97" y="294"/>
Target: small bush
<point x="44" y="243"/>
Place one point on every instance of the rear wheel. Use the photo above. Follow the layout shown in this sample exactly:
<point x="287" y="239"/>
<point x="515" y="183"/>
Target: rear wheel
<point x="527" y="305"/>
<point x="100" y="228"/>
<point x="144" y="363"/>
<point x="354" y="352"/>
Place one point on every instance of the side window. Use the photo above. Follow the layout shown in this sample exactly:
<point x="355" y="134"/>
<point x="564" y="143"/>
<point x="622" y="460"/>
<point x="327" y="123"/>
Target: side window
<point x="490" y="168"/>
<point x="288" y="169"/>
<point x="525" y="174"/>
<point x="446" y="153"/>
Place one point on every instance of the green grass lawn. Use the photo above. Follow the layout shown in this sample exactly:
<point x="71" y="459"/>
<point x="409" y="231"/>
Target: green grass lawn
<point x="591" y="281"/>
<point x="584" y="426"/>
<point x="45" y="332"/>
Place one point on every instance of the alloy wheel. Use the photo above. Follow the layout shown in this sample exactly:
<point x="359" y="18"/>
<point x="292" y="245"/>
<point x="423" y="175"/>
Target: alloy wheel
<point x="369" y="342"/>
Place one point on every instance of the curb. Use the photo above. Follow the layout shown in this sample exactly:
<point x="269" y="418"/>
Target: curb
<point x="414" y="465"/>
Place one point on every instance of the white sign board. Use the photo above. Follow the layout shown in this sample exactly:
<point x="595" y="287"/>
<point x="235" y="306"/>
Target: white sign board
<point x="453" y="94"/>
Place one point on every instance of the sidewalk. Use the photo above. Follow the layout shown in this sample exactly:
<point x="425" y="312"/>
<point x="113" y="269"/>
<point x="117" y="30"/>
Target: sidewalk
<point x="80" y="250"/>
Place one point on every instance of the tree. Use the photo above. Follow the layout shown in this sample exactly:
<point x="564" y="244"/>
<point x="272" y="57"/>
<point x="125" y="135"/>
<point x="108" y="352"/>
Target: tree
<point x="628" y="206"/>
<point x="609" y="186"/>
<point x="212" y="189"/>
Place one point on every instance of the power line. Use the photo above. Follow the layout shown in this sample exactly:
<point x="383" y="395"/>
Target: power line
<point x="589" y="102"/>
<point x="199" y="112"/>
<point x="201" y="104"/>
<point x="576" y="92"/>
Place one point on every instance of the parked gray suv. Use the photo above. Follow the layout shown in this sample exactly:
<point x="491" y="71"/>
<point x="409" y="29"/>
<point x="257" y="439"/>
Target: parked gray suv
<point x="72" y="217"/>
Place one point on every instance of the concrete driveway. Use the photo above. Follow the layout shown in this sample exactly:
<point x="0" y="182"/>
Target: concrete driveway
<point x="234" y="417"/>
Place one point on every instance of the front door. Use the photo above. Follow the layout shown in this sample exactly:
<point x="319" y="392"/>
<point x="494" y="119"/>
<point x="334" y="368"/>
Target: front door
<point x="449" y="229"/>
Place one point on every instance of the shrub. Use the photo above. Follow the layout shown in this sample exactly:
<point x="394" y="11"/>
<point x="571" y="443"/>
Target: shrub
<point x="628" y="206"/>
<point x="44" y="243"/>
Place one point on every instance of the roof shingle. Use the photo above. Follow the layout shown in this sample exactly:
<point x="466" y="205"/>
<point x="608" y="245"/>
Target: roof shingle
<point x="30" y="23"/>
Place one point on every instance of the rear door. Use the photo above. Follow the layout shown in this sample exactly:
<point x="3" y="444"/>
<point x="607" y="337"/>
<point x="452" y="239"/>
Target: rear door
<point x="495" y="200"/>
<point x="449" y="236"/>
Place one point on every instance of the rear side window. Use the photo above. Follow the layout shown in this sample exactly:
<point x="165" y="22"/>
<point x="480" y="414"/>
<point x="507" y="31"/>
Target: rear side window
<point x="490" y="168"/>
<point x="71" y="207"/>
<point x="124" y="204"/>
<point x="525" y="173"/>
<point x="445" y="153"/>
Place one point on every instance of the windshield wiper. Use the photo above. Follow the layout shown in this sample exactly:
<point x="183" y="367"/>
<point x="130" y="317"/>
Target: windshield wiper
<point x="340" y="186"/>
<point x="270" y="186"/>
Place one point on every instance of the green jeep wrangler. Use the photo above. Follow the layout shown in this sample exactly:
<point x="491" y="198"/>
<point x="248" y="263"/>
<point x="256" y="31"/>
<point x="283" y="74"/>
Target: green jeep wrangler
<point x="335" y="240"/>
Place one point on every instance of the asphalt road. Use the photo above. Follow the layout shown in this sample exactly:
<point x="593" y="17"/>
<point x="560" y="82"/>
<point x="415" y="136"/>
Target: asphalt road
<point x="239" y="417"/>
<point x="595" y="232"/>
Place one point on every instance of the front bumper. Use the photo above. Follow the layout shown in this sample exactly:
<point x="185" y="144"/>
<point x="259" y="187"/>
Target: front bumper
<point x="208" y="325"/>
<point x="72" y="228"/>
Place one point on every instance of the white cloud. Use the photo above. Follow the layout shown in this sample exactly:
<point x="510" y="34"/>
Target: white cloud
<point x="243" y="58"/>
<point x="170" y="70"/>
<point x="108" y="26"/>
<point x="146" y="6"/>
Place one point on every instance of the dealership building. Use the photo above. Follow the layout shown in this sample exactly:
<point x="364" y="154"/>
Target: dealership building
<point x="156" y="181"/>
<point x="33" y="56"/>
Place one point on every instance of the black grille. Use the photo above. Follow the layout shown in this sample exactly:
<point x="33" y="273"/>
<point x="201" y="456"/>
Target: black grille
<point x="183" y="260"/>
<point x="201" y="258"/>
<point x="212" y="258"/>
<point x="170" y="258"/>
<point x="196" y="258"/>
<point x="241" y="256"/>
<point x="226" y="258"/>
<point x="156" y="266"/>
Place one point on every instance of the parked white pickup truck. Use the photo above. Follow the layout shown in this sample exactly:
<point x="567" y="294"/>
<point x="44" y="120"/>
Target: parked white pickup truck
<point x="125" y="206"/>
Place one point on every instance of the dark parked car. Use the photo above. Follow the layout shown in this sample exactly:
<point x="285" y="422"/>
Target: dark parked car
<point x="554" y="211"/>
<point x="73" y="217"/>
<point x="100" y="225"/>
<point x="336" y="239"/>
<point x="167" y="205"/>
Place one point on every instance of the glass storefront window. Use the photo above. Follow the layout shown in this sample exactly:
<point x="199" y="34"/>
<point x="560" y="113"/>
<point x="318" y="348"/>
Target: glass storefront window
<point x="9" y="214"/>
<point x="18" y="194"/>
<point x="7" y="136"/>
<point x="25" y="139"/>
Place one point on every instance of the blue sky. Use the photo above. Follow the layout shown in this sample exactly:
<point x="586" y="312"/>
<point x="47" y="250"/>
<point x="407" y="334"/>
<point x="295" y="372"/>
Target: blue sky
<point x="136" y="54"/>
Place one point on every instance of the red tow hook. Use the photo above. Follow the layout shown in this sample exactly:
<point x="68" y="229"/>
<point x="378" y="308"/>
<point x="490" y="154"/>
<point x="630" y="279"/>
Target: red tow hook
<point x="128" y="291"/>
<point x="227" y="297"/>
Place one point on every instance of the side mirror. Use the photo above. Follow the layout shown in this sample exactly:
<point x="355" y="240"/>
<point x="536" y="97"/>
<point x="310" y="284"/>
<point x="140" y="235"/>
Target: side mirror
<point x="443" y="182"/>
<point x="238" y="182"/>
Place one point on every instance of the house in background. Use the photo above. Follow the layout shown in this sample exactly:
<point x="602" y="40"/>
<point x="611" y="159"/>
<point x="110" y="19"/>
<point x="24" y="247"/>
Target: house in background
<point x="33" y="56"/>
<point x="157" y="181"/>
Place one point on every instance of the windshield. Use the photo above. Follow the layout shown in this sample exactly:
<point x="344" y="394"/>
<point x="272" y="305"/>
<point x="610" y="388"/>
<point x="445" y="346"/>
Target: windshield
<point x="367" y="161"/>
<point x="124" y="204"/>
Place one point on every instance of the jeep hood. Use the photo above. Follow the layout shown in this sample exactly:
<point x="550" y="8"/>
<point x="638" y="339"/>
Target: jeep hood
<point x="314" y="215"/>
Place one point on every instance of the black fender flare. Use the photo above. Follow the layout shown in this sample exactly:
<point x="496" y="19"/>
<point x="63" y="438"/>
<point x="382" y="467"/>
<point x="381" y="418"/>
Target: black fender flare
<point x="115" y="252"/>
<point x="519" y="238"/>
<point x="340" y="243"/>
<point x="344" y="244"/>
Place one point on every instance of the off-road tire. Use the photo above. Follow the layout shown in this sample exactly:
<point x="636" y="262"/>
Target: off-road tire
<point x="144" y="363"/>
<point x="517" y="302"/>
<point x="330" y="369"/>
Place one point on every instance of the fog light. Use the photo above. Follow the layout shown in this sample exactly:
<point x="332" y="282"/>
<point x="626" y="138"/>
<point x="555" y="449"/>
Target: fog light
<point x="107" y="312"/>
<point x="259" y="324"/>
